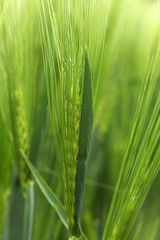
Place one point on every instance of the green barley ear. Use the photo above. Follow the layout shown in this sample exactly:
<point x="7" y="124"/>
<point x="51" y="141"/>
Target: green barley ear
<point x="141" y="162"/>
<point x="72" y="128"/>
<point x="20" y="63"/>
<point x="78" y="121"/>
<point x="21" y="140"/>
<point x="67" y="27"/>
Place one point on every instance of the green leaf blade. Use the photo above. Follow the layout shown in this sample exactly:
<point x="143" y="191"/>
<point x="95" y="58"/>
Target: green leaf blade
<point x="86" y="124"/>
<point x="48" y="193"/>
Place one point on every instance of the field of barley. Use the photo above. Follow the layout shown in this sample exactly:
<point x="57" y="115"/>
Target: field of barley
<point x="79" y="119"/>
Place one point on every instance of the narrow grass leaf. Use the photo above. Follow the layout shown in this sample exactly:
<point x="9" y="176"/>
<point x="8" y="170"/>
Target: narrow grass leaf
<point x="48" y="193"/>
<point x="85" y="137"/>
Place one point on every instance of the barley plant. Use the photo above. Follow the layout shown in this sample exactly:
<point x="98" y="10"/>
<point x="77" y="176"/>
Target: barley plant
<point x="79" y="119"/>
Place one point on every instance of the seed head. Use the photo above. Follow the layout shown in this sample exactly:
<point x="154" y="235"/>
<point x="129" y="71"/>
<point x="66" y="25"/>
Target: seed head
<point x="72" y="113"/>
<point x="21" y="140"/>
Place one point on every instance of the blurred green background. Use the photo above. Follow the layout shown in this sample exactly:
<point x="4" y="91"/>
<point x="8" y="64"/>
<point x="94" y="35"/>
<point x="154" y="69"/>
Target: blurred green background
<point x="131" y="37"/>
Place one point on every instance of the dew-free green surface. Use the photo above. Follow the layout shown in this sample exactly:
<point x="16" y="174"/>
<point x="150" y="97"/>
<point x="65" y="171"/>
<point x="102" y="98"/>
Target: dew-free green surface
<point x="44" y="41"/>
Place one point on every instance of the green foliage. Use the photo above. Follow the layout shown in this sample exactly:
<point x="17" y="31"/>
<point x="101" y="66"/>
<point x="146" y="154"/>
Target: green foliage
<point x="141" y="162"/>
<point x="79" y="113"/>
<point x="66" y="44"/>
<point x="86" y="123"/>
<point x="51" y="197"/>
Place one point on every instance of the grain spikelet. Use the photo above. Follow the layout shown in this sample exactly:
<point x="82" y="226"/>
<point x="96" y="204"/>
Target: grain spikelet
<point x="21" y="140"/>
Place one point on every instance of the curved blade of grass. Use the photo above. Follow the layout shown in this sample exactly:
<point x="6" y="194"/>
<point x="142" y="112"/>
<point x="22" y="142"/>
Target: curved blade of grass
<point x="48" y="193"/>
<point x="29" y="211"/>
<point x="83" y="236"/>
<point x="84" y="138"/>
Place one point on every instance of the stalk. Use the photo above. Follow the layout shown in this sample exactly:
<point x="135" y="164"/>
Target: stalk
<point x="29" y="212"/>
